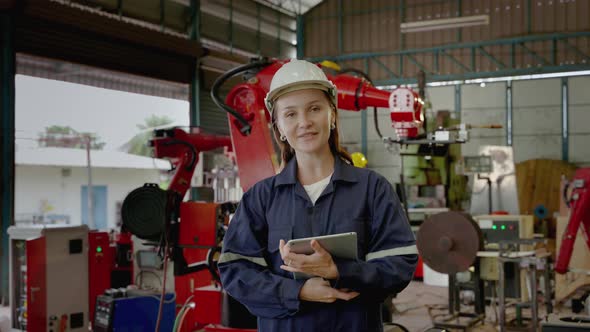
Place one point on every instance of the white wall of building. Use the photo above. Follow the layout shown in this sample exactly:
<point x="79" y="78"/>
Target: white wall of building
<point x="36" y="186"/>
<point x="536" y="109"/>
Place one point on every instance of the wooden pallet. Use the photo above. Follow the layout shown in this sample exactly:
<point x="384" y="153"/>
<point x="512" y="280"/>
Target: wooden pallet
<point x="538" y="182"/>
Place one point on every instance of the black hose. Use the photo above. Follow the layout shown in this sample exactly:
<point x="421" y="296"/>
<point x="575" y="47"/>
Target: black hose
<point x="377" y="123"/>
<point x="193" y="151"/>
<point x="222" y="79"/>
<point x="368" y="79"/>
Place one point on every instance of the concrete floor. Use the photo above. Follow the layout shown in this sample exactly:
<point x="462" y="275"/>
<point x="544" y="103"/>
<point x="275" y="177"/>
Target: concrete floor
<point x="413" y="303"/>
<point x="412" y="307"/>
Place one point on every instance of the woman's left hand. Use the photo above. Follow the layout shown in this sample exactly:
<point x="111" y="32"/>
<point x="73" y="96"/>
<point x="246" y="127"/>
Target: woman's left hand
<point x="320" y="263"/>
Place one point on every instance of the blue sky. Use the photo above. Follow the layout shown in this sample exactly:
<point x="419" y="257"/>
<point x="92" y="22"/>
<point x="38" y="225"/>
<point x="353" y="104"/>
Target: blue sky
<point x="113" y="115"/>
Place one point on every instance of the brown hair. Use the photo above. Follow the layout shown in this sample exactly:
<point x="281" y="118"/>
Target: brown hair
<point x="287" y="151"/>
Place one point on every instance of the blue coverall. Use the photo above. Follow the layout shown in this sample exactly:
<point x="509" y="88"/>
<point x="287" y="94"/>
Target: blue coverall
<point x="355" y="200"/>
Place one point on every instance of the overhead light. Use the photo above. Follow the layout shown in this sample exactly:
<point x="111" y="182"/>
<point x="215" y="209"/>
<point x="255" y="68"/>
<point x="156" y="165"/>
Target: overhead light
<point x="445" y="23"/>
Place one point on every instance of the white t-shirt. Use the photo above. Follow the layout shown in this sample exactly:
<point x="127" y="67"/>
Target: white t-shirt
<point x="314" y="190"/>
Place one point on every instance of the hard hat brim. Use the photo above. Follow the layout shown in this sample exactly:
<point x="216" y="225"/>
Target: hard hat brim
<point x="326" y="86"/>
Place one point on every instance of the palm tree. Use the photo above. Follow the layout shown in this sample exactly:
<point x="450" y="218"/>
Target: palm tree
<point x="138" y="144"/>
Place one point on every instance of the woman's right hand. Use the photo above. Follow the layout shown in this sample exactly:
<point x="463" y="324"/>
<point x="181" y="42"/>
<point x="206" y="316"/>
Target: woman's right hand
<point x="319" y="290"/>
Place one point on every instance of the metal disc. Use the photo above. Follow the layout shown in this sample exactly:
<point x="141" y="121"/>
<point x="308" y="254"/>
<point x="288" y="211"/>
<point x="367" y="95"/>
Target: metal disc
<point x="144" y="212"/>
<point x="448" y="242"/>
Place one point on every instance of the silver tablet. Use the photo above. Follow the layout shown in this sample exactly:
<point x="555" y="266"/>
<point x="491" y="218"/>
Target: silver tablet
<point x="341" y="245"/>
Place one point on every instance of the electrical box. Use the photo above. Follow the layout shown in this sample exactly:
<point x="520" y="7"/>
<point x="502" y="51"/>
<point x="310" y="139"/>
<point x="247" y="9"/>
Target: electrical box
<point x="496" y="228"/>
<point x="49" y="278"/>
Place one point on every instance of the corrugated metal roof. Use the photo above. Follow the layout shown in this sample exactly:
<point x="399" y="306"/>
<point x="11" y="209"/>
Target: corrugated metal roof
<point x="66" y="157"/>
<point x="293" y="6"/>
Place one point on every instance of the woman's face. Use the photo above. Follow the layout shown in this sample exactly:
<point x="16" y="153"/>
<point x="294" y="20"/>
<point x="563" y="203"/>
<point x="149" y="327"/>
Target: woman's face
<point x="304" y="117"/>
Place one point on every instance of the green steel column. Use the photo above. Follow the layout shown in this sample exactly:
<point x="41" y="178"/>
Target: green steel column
<point x="195" y="87"/>
<point x="473" y="69"/>
<point x="7" y="124"/>
<point x="554" y="52"/>
<point x="509" y="117"/>
<point x="163" y="15"/>
<point x="258" y="29"/>
<point x="436" y="63"/>
<point x="529" y="16"/>
<point x="402" y="37"/>
<point x="512" y="56"/>
<point x="364" y="118"/>
<point x="231" y="26"/>
<point x="279" y="34"/>
<point x="459" y="14"/>
<point x="340" y="28"/>
<point x="300" y="36"/>
<point x="458" y="100"/>
<point x="564" y="119"/>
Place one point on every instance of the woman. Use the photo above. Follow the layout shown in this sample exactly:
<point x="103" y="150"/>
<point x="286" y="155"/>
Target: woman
<point x="318" y="192"/>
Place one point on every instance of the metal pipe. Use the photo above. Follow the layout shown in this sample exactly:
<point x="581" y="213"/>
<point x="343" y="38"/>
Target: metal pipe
<point x="509" y="115"/>
<point x="547" y="295"/>
<point x="501" y="298"/>
<point x="458" y="101"/>
<point x="532" y="270"/>
<point x="90" y="189"/>
<point x="364" y="119"/>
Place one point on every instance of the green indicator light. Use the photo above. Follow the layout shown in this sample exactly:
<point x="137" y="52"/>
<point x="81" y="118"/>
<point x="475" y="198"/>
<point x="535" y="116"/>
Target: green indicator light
<point x="503" y="227"/>
<point x="494" y="227"/>
<point x="99" y="249"/>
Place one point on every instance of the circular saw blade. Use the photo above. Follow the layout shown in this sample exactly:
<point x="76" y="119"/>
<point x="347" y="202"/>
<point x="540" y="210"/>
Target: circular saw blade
<point x="448" y="242"/>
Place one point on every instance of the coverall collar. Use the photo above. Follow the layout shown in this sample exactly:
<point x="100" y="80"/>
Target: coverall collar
<point x="342" y="172"/>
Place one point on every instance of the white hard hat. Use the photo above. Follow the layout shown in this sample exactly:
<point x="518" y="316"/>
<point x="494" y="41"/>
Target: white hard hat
<point x="299" y="75"/>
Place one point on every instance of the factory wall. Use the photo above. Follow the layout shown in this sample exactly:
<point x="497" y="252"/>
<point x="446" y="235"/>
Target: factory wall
<point x="537" y="126"/>
<point x="374" y="26"/>
<point x="579" y="111"/>
<point x="39" y="186"/>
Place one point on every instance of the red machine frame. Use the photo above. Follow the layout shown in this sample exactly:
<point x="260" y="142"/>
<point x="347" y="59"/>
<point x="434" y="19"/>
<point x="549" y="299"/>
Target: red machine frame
<point x="579" y="217"/>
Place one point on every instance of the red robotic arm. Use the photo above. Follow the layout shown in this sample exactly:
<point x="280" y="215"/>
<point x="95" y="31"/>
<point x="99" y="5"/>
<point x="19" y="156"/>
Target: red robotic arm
<point x="579" y="216"/>
<point x="183" y="149"/>
<point x="253" y="146"/>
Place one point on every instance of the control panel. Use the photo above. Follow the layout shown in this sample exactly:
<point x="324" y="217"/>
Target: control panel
<point x="495" y="231"/>
<point x="103" y="313"/>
